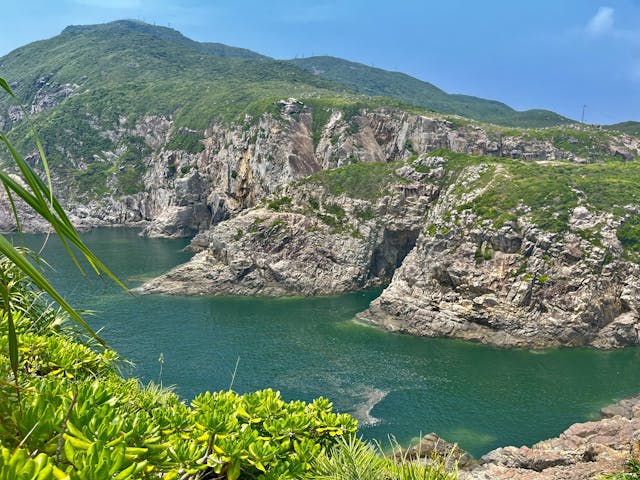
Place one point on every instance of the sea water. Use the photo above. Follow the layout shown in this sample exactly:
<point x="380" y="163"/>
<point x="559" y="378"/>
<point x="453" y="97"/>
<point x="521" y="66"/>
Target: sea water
<point x="478" y="396"/>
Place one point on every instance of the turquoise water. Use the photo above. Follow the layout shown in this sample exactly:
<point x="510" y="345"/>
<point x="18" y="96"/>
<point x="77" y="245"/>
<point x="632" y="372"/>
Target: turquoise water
<point x="478" y="396"/>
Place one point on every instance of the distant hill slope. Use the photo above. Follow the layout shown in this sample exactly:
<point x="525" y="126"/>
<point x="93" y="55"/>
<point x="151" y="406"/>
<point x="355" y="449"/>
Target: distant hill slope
<point x="630" y="128"/>
<point x="130" y="67"/>
<point x="169" y="34"/>
<point x="375" y="81"/>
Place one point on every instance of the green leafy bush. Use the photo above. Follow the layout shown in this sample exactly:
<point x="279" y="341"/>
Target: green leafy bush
<point x="633" y="472"/>
<point x="88" y="422"/>
<point x="72" y="416"/>
<point x="186" y="141"/>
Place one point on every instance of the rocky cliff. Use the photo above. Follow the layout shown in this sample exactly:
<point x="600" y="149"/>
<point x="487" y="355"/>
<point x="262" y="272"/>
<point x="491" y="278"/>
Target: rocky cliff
<point x="510" y="282"/>
<point x="178" y="182"/>
<point x="512" y="252"/>
<point x="518" y="238"/>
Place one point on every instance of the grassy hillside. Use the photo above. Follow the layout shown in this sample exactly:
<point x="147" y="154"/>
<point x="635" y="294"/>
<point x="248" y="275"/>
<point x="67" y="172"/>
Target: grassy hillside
<point x="375" y="81"/>
<point x="129" y="68"/>
<point x="630" y="128"/>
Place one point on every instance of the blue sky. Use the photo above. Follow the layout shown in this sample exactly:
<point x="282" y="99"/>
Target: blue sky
<point x="555" y="54"/>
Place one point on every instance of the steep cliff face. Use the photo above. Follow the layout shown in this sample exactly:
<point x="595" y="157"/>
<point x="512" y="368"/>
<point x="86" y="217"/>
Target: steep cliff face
<point x="514" y="286"/>
<point x="305" y="242"/>
<point x="180" y="188"/>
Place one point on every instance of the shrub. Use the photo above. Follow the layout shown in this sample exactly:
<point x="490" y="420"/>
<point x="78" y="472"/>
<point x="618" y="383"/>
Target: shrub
<point x="278" y="203"/>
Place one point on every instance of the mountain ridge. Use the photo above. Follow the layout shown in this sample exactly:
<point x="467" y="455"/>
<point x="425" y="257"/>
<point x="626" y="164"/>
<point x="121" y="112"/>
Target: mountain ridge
<point x="376" y="81"/>
<point x="369" y="81"/>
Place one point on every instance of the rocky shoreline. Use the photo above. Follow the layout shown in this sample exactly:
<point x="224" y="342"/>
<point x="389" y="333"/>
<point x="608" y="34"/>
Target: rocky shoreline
<point x="449" y="272"/>
<point x="583" y="451"/>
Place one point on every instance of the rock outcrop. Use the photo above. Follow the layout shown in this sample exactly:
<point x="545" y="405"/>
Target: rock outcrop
<point x="583" y="451"/>
<point x="513" y="286"/>
<point x="311" y="243"/>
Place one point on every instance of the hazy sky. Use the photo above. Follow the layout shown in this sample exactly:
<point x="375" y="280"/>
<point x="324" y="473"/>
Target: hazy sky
<point x="554" y="54"/>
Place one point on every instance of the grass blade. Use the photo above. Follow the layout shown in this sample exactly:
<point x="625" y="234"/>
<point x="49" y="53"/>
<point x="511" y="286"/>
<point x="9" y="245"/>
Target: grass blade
<point x="7" y="249"/>
<point x="5" y="86"/>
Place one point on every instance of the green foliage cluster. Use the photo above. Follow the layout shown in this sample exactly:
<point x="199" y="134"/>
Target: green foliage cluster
<point x="364" y="180"/>
<point x="322" y="109"/>
<point x="187" y="141"/>
<point x="365" y="214"/>
<point x="629" y="236"/>
<point x="630" y="128"/>
<point x="130" y="166"/>
<point x="633" y="472"/>
<point x="278" y="203"/>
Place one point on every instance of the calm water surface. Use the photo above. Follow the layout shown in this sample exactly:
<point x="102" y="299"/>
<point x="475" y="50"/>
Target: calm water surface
<point x="478" y="396"/>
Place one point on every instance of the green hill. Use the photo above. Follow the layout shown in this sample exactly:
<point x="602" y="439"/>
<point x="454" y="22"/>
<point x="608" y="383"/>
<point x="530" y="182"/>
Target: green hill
<point x="87" y="88"/>
<point x="630" y="128"/>
<point x="378" y="82"/>
<point x="134" y="68"/>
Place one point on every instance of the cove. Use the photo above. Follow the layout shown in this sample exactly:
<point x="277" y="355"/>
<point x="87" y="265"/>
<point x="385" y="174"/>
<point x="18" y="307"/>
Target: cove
<point x="478" y="396"/>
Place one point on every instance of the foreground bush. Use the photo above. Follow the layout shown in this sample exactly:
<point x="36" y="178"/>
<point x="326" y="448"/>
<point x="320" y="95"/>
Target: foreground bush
<point x="72" y="416"/>
<point x="354" y="459"/>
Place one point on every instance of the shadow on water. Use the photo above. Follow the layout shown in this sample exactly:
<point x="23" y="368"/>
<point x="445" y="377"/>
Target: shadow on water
<point x="395" y="385"/>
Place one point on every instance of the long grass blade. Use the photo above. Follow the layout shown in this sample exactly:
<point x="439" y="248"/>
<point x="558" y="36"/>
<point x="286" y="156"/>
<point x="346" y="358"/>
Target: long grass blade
<point x="7" y="249"/>
<point x="12" y="336"/>
<point x="5" y="86"/>
<point x="14" y="210"/>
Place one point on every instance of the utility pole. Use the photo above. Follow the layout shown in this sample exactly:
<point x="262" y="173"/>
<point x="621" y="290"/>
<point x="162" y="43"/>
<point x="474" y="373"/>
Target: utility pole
<point x="584" y="107"/>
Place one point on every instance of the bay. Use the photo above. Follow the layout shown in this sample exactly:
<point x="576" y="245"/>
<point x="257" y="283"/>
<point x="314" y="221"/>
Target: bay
<point x="478" y="396"/>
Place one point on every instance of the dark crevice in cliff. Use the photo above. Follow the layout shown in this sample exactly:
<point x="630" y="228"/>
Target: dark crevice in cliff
<point x="391" y="252"/>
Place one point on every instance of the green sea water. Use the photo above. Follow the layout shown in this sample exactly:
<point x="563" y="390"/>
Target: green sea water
<point x="398" y="385"/>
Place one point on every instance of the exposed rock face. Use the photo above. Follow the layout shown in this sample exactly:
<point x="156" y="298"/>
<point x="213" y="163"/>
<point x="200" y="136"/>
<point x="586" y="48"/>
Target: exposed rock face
<point x="432" y="446"/>
<point x="583" y="451"/>
<point x="50" y="94"/>
<point x="443" y="290"/>
<point x="516" y="286"/>
<point x="298" y="251"/>
<point x="282" y="254"/>
<point x="243" y="163"/>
